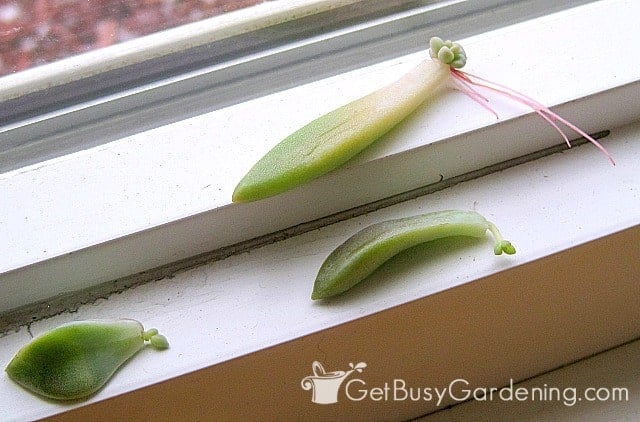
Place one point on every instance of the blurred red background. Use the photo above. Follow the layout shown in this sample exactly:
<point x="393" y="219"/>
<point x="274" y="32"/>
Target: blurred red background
<point x="34" y="32"/>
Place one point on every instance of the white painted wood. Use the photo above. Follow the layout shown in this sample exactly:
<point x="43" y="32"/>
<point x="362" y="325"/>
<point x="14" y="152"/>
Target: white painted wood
<point x="164" y="194"/>
<point x="132" y="213"/>
<point x="247" y="302"/>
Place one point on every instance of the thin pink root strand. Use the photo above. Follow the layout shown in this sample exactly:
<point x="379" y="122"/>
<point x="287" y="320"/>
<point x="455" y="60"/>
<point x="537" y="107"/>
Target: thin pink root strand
<point x="467" y="80"/>
<point x="468" y="90"/>
<point x="539" y="108"/>
<point x="462" y="79"/>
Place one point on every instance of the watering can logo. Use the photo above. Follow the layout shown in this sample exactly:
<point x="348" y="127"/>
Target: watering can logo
<point x="324" y="385"/>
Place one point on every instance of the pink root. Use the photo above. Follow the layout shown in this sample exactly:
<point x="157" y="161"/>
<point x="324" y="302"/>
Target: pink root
<point x="468" y="90"/>
<point x="465" y="82"/>
<point x="537" y="107"/>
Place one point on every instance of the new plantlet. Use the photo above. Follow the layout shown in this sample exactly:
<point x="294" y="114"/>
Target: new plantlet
<point x="331" y="140"/>
<point x="361" y="254"/>
<point x="75" y="360"/>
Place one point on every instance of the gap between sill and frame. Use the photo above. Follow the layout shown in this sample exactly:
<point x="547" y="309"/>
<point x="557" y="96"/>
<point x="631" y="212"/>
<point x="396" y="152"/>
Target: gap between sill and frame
<point x="24" y="315"/>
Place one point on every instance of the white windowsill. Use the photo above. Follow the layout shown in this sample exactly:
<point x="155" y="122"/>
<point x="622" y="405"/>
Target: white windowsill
<point x="247" y="302"/>
<point x="111" y="214"/>
<point x="256" y="300"/>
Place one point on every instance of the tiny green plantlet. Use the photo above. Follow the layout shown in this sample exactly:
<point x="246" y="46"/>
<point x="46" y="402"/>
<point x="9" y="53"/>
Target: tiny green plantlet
<point x="74" y="360"/>
<point x="334" y="138"/>
<point x="364" y="252"/>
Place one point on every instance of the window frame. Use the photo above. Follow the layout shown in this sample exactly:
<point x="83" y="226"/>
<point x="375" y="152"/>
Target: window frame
<point x="446" y="140"/>
<point x="106" y="87"/>
<point x="136" y="214"/>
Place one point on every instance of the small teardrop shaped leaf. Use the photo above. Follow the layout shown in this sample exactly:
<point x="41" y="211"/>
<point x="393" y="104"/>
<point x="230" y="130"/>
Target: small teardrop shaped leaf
<point x="75" y="360"/>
